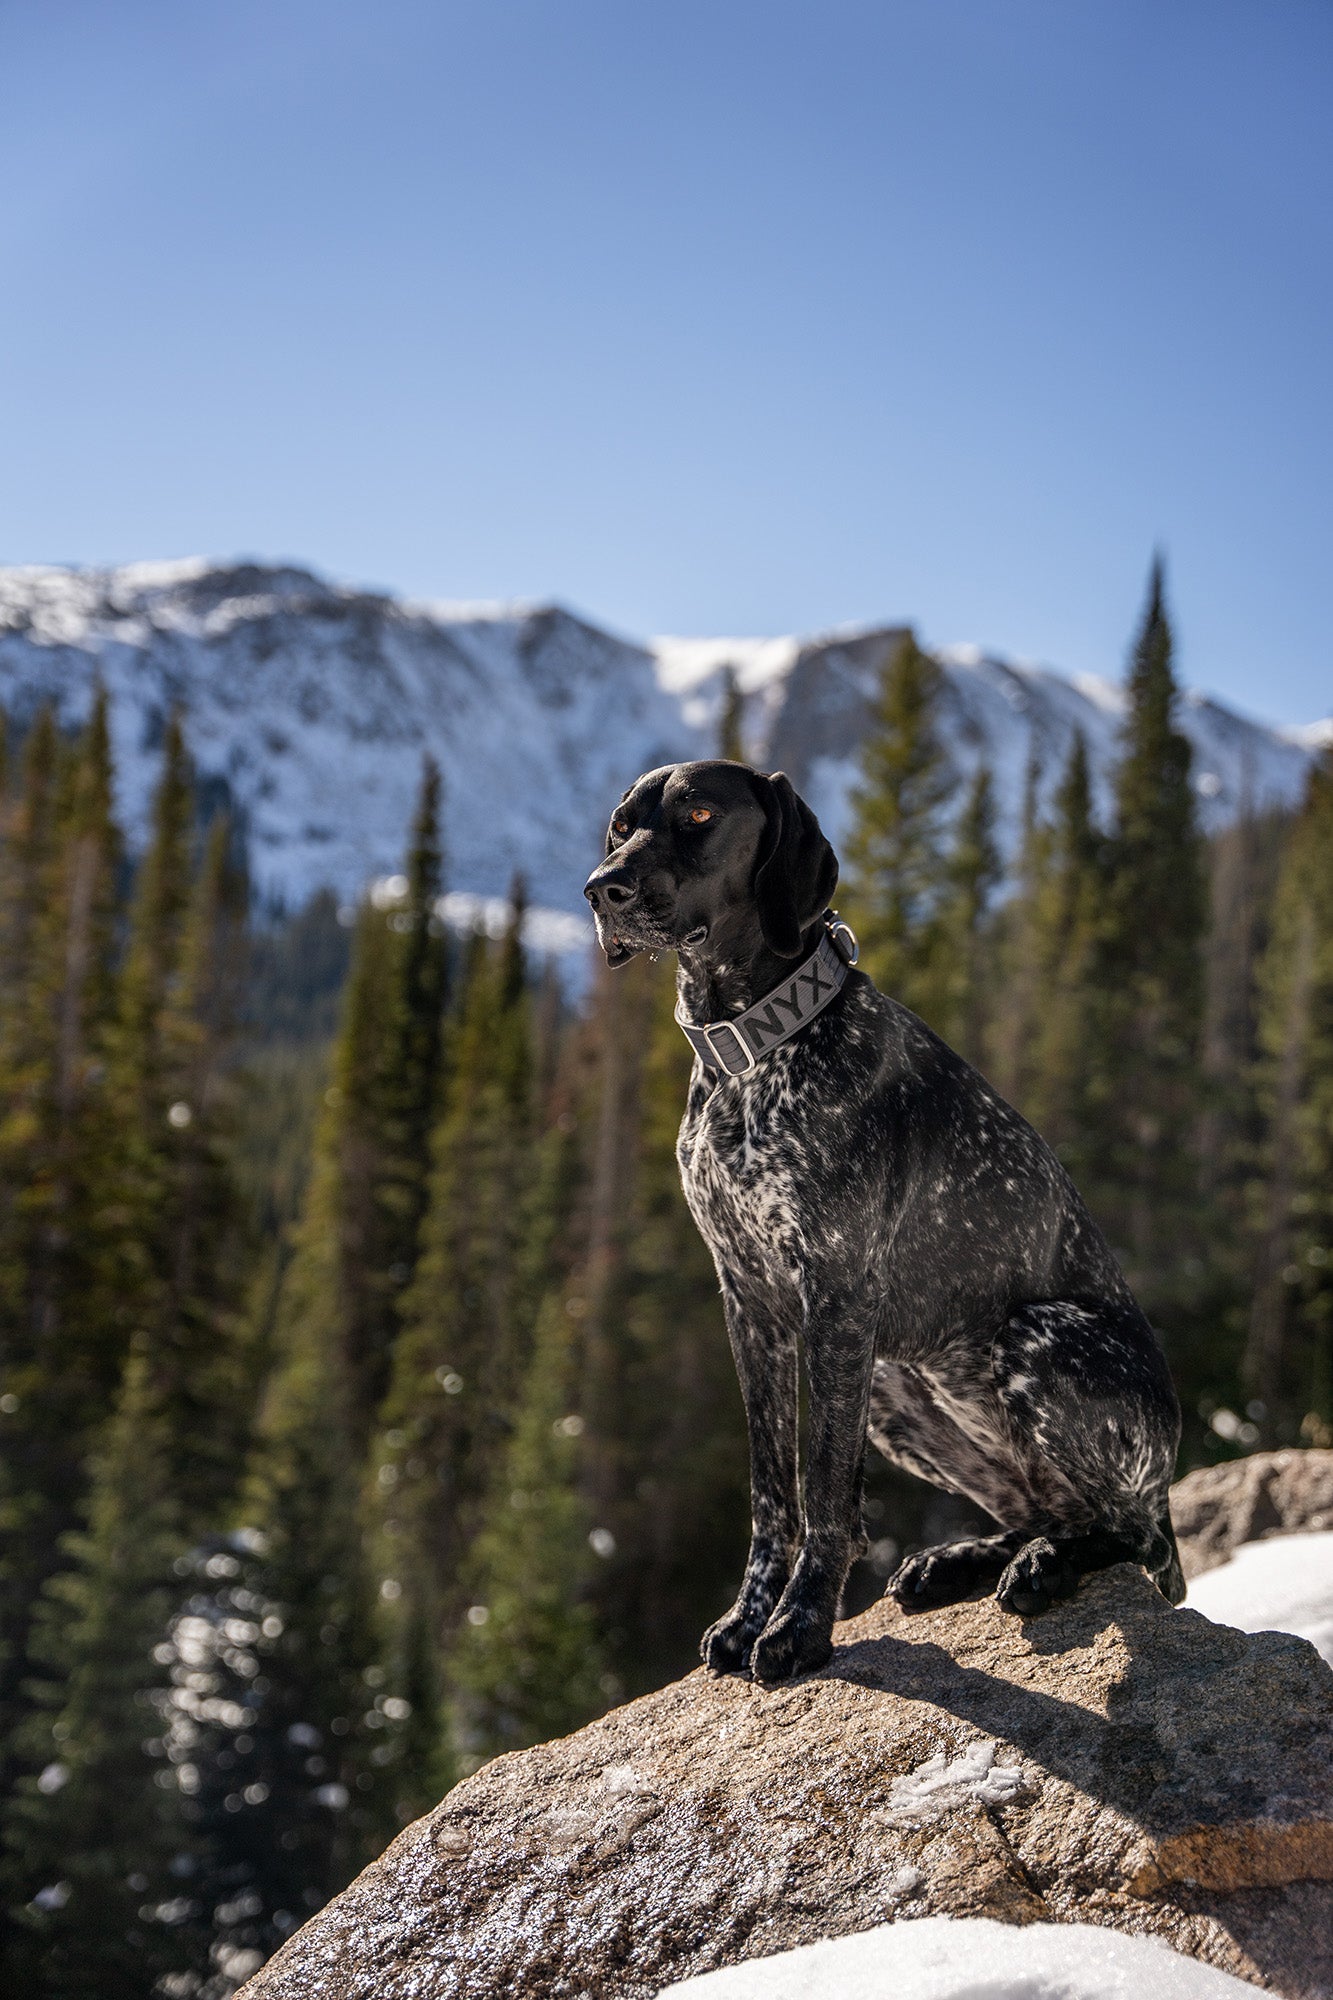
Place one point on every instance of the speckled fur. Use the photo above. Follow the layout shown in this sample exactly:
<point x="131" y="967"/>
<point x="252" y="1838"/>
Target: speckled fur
<point x="872" y="1204"/>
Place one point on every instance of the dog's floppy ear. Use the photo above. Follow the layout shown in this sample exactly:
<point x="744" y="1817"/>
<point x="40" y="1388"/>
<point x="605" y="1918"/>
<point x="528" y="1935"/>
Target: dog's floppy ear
<point x="796" y="871"/>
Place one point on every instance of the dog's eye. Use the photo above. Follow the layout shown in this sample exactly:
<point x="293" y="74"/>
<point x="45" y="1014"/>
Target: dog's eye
<point x="620" y="827"/>
<point x="700" y="815"/>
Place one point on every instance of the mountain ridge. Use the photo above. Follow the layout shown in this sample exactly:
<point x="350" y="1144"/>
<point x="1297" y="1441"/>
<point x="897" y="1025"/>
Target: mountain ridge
<point x="313" y="702"/>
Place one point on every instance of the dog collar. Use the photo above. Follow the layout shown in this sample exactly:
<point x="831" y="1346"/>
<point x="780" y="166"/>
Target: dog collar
<point x="735" y="1046"/>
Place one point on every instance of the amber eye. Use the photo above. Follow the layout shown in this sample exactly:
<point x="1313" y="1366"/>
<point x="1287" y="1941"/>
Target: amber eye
<point x="700" y="815"/>
<point x="620" y="827"/>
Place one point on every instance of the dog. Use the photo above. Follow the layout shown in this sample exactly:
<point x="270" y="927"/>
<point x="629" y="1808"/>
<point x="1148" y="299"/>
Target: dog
<point x="870" y="1201"/>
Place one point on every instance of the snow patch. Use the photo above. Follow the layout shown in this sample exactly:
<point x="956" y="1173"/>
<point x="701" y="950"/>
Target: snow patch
<point x="1281" y="1585"/>
<point x="682" y="664"/>
<point x="971" y="1958"/>
<point x="1312" y="736"/>
<point x="943" y="1782"/>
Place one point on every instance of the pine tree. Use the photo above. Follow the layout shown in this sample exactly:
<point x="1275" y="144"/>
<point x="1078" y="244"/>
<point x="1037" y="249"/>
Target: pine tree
<point x="302" y="1768"/>
<point x="29" y="852"/>
<point x="897" y="873"/>
<point x="315" y="1742"/>
<point x="174" y="1217"/>
<point x="1016" y="1016"/>
<point x="282" y="1725"/>
<point x="526" y="1664"/>
<point x="138" y="1070"/>
<point x="336" y="1285"/>
<point x="1152" y="973"/>
<point x="433" y="1465"/>
<point x="414" y="1066"/>
<point x="60" y="1356"/>
<point x="419" y="1760"/>
<point x="93" y="1837"/>
<point x="668" y="1422"/>
<point x="201" y="1372"/>
<point x="1244" y="862"/>
<point x="1067" y="1086"/>
<point x="28" y="994"/>
<point x="1288" y="1363"/>
<point x="460" y="1354"/>
<point x="356" y="1245"/>
<point x="965" y="969"/>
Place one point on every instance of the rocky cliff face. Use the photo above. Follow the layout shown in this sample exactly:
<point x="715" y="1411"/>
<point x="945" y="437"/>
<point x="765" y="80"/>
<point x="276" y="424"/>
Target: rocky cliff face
<point x="1114" y="1762"/>
<point x="312" y="705"/>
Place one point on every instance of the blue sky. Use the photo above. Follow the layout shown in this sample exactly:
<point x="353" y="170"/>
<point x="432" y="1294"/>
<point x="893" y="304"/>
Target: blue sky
<point x="704" y="318"/>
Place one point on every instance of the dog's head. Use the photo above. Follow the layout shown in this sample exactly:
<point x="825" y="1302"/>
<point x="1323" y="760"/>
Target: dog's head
<point x="710" y="853"/>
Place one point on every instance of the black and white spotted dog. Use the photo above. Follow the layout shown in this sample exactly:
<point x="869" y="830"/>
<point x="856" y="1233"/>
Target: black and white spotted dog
<point x="868" y="1198"/>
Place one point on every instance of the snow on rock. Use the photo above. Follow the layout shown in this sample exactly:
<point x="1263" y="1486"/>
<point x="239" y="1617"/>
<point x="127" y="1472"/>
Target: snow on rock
<point x="971" y="1958"/>
<point x="1283" y="1585"/>
<point x="942" y="1782"/>
<point x="312" y="704"/>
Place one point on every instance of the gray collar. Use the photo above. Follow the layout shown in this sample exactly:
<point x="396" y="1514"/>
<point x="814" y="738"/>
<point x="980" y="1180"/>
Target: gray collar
<point x="735" y="1046"/>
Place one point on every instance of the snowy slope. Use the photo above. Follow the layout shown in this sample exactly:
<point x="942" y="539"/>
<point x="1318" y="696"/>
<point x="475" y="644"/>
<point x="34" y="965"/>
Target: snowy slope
<point x="809" y="709"/>
<point x="316" y="704"/>
<point x="313" y="704"/>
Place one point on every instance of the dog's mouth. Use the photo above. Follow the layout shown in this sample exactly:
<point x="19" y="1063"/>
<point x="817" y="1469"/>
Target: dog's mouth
<point x="621" y="945"/>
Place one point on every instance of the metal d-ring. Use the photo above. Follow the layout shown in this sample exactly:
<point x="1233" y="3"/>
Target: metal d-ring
<point x="851" y="955"/>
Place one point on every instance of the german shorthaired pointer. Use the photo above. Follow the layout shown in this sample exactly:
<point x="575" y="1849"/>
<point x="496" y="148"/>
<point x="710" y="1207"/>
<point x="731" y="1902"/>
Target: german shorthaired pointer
<point x="868" y="1196"/>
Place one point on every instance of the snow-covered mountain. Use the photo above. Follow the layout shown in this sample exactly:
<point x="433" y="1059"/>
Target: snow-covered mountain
<point x="314" y="704"/>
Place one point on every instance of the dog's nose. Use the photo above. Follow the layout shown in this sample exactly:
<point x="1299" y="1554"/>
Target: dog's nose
<point x="610" y="893"/>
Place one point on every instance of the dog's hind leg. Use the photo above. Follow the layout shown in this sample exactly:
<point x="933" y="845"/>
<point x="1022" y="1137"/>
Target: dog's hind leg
<point x="951" y="1571"/>
<point x="963" y="1449"/>
<point x="1093" y="1419"/>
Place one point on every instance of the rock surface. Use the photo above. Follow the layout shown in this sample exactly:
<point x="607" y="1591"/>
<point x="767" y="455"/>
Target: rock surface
<point x="1113" y="1762"/>
<point x="1251" y="1499"/>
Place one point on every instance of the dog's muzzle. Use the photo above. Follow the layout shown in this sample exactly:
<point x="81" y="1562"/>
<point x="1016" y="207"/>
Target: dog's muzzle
<point x="613" y="895"/>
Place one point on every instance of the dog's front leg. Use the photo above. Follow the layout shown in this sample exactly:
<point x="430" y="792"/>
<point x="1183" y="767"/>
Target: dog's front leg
<point x="765" y="1356"/>
<point x="839" y="1352"/>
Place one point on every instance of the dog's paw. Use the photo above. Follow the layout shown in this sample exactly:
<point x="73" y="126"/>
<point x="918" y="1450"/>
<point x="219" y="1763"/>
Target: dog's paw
<point x="943" y="1575"/>
<point x="1036" y="1577"/>
<point x="726" y="1647"/>
<point x="790" y="1644"/>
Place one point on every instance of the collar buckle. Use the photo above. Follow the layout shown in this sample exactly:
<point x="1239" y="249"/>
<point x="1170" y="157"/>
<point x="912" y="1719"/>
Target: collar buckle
<point x="728" y="1069"/>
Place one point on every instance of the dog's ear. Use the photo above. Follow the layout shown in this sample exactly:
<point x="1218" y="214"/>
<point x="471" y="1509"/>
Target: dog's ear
<point x="796" y="870"/>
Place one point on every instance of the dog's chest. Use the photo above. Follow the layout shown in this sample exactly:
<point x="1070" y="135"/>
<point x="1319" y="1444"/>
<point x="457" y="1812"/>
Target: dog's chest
<point x="741" y="1166"/>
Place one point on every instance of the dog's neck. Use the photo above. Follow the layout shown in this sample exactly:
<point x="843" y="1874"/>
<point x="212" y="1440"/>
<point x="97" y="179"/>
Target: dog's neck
<point x="731" y="971"/>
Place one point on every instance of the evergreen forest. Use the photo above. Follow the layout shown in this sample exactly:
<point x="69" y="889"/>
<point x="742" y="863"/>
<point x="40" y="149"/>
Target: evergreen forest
<point x="366" y="1408"/>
